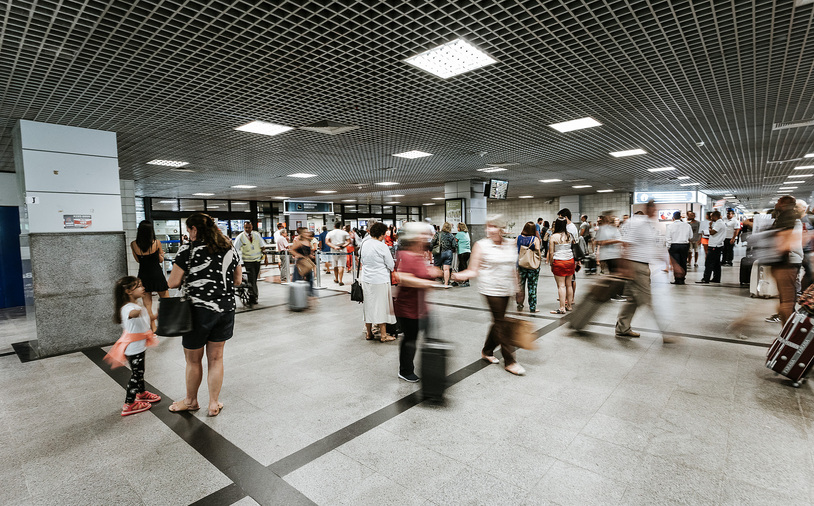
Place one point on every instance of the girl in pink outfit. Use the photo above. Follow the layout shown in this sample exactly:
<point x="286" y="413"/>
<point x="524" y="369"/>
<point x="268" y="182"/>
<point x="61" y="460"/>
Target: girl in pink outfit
<point x="133" y="343"/>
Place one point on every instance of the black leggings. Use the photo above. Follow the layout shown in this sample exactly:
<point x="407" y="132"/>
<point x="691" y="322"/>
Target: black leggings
<point x="408" y="345"/>
<point x="463" y="261"/>
<point x="136" y="383"/>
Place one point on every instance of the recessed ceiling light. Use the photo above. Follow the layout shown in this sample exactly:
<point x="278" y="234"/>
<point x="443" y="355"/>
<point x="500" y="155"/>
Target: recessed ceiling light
<point x="491" y="169"/>
<point x="439" y="198"/>
<point x="551" y="180"/>
<point x="801" y="175"/>
<point x="281" y="197"/>
<point x="804" y="167"/>
<point x="788" y="188"/>
<point x="264" y="128"/>
<point x="412" y="154"/>
<point x="526" y="197"/>
<point x="326" y="191"/>
<point x="243" y="186"/>
<point x="683" y="177"/>
<point x="394" y="202"/>
<point x="809" y="155"/>
<point x="395" y="196"/>
<point x="203" y="194"/>
<point x="429" y="204"/>
<point x="302" y="175"/>
<point x="604" y="191"/>
<point x="167" y="163"/>
<point x="451" y="59"/>
<point x="167" y="201"/>
<point x="387" y="183"/>
<point x="796" y="181"/>
<point x="690" y="184"/>
<point x="349" y="200"/>
<point x="582" y="186"/>
<point x="661" y="169"/>
<point x="629" y="152"/>
<point x="575" y="124"/>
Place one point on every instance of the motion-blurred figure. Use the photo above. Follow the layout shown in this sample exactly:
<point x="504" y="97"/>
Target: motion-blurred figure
<point x="789" y="243"/>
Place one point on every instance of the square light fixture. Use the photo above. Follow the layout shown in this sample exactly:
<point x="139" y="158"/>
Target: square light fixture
<point x="243" y="186"/>
<point x="604" y="191"/>
<point x="203" y="194"/>
<point x="492" y="169"/>
<point x="413" y="154"/>
<point x="582" y="186"/>
<point x="690" y="184"/>
<point x="551" y="180"/>
<point x="575" y="124"/>
<point x="629" y="152"/>
<point x="451" y="59"/>
<point x="326" y="191"/>
<point x="264" y="128"/>
<point x="804" y="167"/>
<point x="801" y="175"/>
<point x="683" y="177"/>
<point x="526" y="197"/>
<point x="167" y="163"/>
<point x="439" y="198"/>
<point x="302" y="175"/>
<point x="661" y="169"/>
<point x="387" y="183"/>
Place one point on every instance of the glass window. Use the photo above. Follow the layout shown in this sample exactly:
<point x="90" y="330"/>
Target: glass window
<point x="375" y="209"/>
<point x="141" y="215"/>
<point x="364" y="208"/>
<point x="400" y="219"/>
<point x="401" y="209"/>
<point x="387" y="210"/>
<point x="163" y="204"/>
<point x="192" y="205"/>
<point x="241" y="206"/>
<point x="221" y="206"/>
<point x="415" y="210"/>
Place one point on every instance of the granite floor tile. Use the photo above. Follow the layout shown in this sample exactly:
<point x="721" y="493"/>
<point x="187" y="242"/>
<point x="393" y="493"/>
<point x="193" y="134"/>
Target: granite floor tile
<point x="567" y="484"/>
<point x="472" y="486"/>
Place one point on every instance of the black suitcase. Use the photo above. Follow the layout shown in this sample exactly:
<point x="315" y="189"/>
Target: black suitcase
<point x="746" y="269"/>
<point x="434" y="369"/>
<point x="599" y="293"/>
<point x="393" y="329"/>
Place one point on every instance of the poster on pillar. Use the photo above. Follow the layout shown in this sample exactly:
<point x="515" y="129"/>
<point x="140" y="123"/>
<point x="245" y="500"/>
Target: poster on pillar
<point x="454" y="211"/>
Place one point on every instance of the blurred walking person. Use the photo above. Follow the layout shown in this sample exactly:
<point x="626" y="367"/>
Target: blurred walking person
<point x="302" y="250"/>
<point x="528" y="266"/>
<point x="789" y="241"/>
<point x="494" y="260"/>
<point x="609" y="240"/>
<point x="563" y="266"/>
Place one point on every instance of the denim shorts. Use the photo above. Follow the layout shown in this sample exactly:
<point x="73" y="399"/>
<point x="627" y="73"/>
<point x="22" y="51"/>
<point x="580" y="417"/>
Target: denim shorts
<point x="208" y="326"/>
<point x="443" y="258"/>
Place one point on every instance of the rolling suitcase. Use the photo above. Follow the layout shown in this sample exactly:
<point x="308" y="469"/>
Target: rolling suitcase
<point x="791" y="354"/>
<point x="298" y="296"/>
<point x="434" y="369"/>
<point x="761" y="282"/>
<point x="600" y="292"/>
<point x="747" y="263"/>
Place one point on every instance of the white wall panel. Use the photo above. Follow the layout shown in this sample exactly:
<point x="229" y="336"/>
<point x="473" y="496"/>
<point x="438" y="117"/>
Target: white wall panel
<point x="60" y="172"/>
<point x="9" y="193"/>
<point x="47" y="215"/>
<point x="65" y="139"/>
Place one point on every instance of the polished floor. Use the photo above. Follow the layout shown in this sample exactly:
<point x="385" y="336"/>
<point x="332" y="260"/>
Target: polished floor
<point x="314" y="414"/>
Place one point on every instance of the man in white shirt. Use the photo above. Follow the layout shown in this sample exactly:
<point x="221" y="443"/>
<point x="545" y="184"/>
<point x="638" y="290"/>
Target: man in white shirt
<point x="641" y="247"/>
<point x="283" y="260"/>
<point x="678" y="244"/>
<point x="249" y="245"/>
<point x="712" y="264"/>
<point x="733" y="228"/>
<point x="338" y="240"/>
<point x="695" y="225"/>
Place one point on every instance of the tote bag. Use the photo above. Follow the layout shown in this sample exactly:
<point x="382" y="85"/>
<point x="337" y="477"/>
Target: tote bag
<point x="530" y="258"/>
<point x="174" y="316"/>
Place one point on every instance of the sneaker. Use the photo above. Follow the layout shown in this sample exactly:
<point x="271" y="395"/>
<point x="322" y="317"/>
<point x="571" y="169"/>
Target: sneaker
<point x="775" y="318"/>
<point x="412" y="378"/>
<point x="136" y="407"/>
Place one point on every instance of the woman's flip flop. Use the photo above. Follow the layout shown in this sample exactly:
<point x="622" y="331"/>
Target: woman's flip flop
<point x="178" y="406"/>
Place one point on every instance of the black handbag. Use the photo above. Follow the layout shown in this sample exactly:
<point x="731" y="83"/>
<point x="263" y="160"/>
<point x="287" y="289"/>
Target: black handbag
<point x="356" y="293"/>
<point x="174" y="316"/>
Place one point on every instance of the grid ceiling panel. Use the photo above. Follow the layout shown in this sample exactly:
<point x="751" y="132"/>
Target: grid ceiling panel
<point x="173" y="79"/>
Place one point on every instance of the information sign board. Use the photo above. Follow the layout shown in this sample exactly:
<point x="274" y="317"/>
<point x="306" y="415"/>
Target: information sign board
<point x="297" y="206"/>
<point x="676" y="197"/>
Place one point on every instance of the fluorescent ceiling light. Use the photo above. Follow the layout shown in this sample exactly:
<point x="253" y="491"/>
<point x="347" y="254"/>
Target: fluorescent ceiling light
<point x="264" y="128"/>
<point x="395" y="196"/>
<point x="809" y="155"/>
<point x="387" y="183"/>
<point x="788" y="188"/>
<point x="167" y="201"/>
<point x="551" y="180"/>
<point x="281" y="197"/>
<point x="412" y="154"/>
<point x="451" y="59"/>
<point x="243" y="186"/>
<point x="797" y="181"/>
<point x="690" y="184"/>
<point x="604" y="191"/>
<point x="683" y="177"/>
<point x="526" y="197"/>
<point x="240" y="203"/>
<point x="167" y="163"/>
<point x="801" y="175"/>
<point x="439" y="198"/>
<point x="661" y="169"/>
<point x="394" y="202"/>
<point x="629" y="152"/>
<point x="326" y="191"/>
<point x="302" y="175"/>
<point x="491" y="169"/>
<point x="804" y="167"/>
<point x="429" y="204"/>
<point x="582" y="186"/>
<point x="203" y="194"/>
<point x="349" y="200"/>
<point x="575" y="124"/>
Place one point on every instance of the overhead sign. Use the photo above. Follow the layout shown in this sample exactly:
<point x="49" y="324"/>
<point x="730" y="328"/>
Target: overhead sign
<point x="679" y="197"/>
<point x="296" y="206"/>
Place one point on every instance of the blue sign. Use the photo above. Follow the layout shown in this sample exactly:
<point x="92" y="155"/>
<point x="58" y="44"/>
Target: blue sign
<point x="680" y="197"/>
<point x="294" y="206"/>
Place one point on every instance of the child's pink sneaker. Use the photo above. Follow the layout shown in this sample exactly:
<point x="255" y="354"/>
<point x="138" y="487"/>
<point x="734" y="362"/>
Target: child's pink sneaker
<point x="146" y="396"/>
<point x="136" y="407"/>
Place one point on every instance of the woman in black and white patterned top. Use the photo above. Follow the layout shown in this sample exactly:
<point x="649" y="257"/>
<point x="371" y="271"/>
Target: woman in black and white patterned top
<point x="209" y="269"/>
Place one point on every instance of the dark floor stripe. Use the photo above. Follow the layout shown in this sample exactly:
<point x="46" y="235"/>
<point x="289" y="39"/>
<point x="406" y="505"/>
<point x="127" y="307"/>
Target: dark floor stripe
<point x="250" y="476"/>
<point x="227" y="495"/>
<point x="8" y="353"/>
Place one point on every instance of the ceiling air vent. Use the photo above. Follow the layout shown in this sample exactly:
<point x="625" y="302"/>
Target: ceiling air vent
<point x="793" y="124"/>
<point x="329" y="127"/>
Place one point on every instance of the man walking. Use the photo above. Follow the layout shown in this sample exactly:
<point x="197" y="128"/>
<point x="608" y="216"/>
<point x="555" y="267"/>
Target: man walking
<point x="678" y="244"/>
<point x="712" y="264"/>
<point x="640" y="248"/>
<point x="695" y="239"/>
<point x="249" y="244"/>
<point x="733" y="227"/>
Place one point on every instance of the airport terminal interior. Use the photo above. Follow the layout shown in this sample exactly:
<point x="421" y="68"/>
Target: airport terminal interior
<point x="299" y="115"/>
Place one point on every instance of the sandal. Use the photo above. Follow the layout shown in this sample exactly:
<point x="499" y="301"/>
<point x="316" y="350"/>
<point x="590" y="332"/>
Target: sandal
<point x="220" y="408"/>
<point x="146" y="396"/>
<point x="135" y="407"/>
<point x="559" y="311"/>
<point x="183" y="406"/>
<point x="387" y="339"/>
<point x="368" y="337"/>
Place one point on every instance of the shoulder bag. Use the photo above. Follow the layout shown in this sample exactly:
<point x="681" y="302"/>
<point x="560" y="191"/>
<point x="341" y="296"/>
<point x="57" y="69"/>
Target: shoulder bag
<point x="356" y="293"/>
<point x="579" y="248"/>
<point x="174" y="315"/>
<point x="530" y="258"/>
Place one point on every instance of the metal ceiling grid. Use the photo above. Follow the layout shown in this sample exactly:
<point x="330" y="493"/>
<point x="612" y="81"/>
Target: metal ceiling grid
<point x="174" y="78"/>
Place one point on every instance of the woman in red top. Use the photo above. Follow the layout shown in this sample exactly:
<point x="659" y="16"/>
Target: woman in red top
<point x="414" y="279"/>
